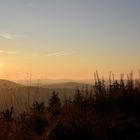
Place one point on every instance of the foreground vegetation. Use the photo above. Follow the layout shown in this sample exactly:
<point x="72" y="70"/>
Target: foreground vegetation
<point x="103" y="112"/>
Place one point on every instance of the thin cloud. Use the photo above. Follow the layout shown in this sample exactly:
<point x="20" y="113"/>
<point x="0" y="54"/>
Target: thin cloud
<point x="12" y="52"/>
<point x="11" y="36"/>
<point x="9" y="52"/>
<point x="7" y="35"/>
<point x="54" y="54"/>
<point x="29" y="4"/>
<point x="61" y="53"/>
<point x="2" y="51"/>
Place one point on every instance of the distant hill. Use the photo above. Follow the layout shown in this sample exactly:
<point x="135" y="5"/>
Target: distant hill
<point x="35" y="82"/>
<point x="58" y="85"/>
<point x="18" y="95"/>
<point x="66" y="85"/>
<point x="9" y="84"/>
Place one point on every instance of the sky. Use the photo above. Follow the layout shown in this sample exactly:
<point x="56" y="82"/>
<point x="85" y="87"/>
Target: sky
<point x="71" y="39"/>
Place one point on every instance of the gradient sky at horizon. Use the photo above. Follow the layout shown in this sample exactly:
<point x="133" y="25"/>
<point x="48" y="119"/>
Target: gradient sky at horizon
<point x="68" y="38"/>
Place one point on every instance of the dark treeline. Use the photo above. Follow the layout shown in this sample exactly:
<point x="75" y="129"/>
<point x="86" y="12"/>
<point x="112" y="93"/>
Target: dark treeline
<point x="103" y="112"/>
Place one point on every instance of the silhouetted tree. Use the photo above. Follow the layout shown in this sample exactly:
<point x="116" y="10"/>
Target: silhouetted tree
<point x="54" y="104"/>
<point x="38" y="119"/>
